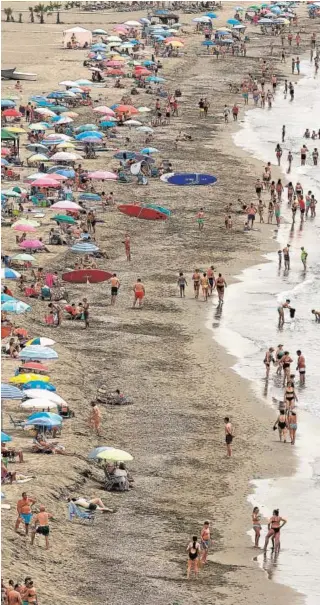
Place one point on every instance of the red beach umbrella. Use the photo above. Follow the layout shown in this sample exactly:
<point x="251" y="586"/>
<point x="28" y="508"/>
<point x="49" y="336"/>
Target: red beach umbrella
<point x="12" y="113"/>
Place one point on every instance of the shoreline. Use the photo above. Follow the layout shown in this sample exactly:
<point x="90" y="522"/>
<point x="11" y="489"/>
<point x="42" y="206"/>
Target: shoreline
<point x="171" y="501"/>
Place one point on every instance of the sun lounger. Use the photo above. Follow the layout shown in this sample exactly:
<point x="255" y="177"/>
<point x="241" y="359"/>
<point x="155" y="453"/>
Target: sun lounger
<point x="16" y="423"/>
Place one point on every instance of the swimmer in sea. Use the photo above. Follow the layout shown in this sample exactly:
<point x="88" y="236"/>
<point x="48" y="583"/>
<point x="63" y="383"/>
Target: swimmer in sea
<point x="268" y="359"/>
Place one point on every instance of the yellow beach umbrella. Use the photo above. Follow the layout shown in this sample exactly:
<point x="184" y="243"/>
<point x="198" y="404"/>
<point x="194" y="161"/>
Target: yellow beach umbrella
<point x="65" y="145"/>
<point x="26" y="221"/>
<point x="15" y="129"/>
<point x="115" y="455"/>
<point x="38" y="157"/>
<point x="24" y="378"/>
<point x="175" y="44"/>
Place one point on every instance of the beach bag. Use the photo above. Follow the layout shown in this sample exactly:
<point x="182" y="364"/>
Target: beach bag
<point x="292" y="313"/>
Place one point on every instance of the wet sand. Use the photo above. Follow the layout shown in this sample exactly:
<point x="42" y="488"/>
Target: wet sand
<point x="165" y="358"/>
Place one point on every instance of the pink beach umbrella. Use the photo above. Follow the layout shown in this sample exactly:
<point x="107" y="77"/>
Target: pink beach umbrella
<point x="32" y="244"/>
<point x="58" y="177"/>
<point x="25" y="228"/>
<point x="101" y="175"/>
<point x="105" y="110"/>
<point x="45" y="182"/>
<point x="66" y="205"/>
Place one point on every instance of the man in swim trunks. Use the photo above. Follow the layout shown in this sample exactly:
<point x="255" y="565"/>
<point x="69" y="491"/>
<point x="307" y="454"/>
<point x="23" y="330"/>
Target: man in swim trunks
<point x="211" y="279"/>
<point x="229" y="435"/>
<point x="301" y="366"/>
<point x="139" y="293"/>
<point x="115" y="285"/>
<point x="205" y="542"/>
<point x="41" y="525"/>
<point x="304" y="256"/>
<point x="285" y="305"/>
<point x="286" y="257"/>
<point x="196" y="283"/>
<point x="24" y="511"/>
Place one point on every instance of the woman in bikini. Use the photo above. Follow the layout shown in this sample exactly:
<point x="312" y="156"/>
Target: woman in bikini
<point x="290" y="192"/>
<point x="279" y="355"/>
<point x="268" y="359"/>
<point x="221" y="284"/>
<point x="196" y="283"/>
<point x="279" y="189"/>
<point x="281" y="423"/>
<point x="205" y="286"/>
<point x="275" y="524"/>
<point x="286" y="361"/>
<point x="256" y="524"/>
<point x="193" y="550"/>
<point x="292" y="422"/>
<point x="290" y="396"/>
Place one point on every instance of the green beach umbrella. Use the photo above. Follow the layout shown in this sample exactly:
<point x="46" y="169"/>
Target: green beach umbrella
<point x="63" y="218"/>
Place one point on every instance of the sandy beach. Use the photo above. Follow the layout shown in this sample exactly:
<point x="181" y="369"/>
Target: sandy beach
<point x="163" y="356"/>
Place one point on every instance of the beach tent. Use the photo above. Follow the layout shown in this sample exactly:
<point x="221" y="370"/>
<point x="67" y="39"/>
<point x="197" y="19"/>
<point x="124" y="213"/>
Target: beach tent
<point x="82" y="36"/>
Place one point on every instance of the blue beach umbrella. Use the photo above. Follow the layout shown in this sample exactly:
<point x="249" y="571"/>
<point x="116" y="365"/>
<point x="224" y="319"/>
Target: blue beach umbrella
<point x="148" y="150"/>
<point x="38" y="384"/>
<point x="7" y="104"/>
<point x="7" y="273"/>
<point x="128" y="155"/>
<point x="37" y="352"/>
<point x="208" y="43"/>
<point x="155" y="79"/>
<point x="4" y="162"/>
<point x="84" y="248"/>
<point x="90" y="133"/>
<point x="44" y="422"/>
<point x="68" y="173"/>
<point x="233" y="21"/>
<point x="148" y="63"/>
<point x="15" y="306"/>
<point x="211" y="15"/>
<point x="58" y="94"/>
<point x="107" y="124"/>
<point x="8" y="391"/>
<point x="86" y="128"/>
<point x="48" y="415"/>
<point x="5" y="438"/>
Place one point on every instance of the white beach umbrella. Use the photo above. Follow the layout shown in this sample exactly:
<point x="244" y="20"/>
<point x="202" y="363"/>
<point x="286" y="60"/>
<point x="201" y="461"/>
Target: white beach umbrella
<point x="68" y="83"/>
<point x="65" y="156"/>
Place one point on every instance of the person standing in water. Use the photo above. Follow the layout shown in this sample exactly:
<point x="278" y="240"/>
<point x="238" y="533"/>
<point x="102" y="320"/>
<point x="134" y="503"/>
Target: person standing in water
<point x="293" y="425"/>
<point x="281" y="424"/>
<point x="283" y="133"/>
<point x="301" y="366"/>
<point x="268" y="359"/>
<point x="256" y="525"/>
<point x="304" y="256"/>
<point x="275" y="524"/>
<point x="211" y="279"/>
<point x="221" y="284"/>
<point x="286" y="257"/>
<point x="289" y="158"/>
<point x="205" y="542"/>
<point x="285" y="305"/>
<point x="193" y="550"/>
<point x="228" y="429"/>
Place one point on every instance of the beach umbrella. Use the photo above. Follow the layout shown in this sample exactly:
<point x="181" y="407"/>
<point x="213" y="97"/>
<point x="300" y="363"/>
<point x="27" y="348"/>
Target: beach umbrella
<point x="104" y="109"/>
<point x="24" y="228"/>
<point x="97" y="450"/>
<point x="114" y="455"/>
<point x="6" y="297"/>
<point x="87" y="139"/>
<point x="27" y="221"/>
<point x="7" y="273"/>
<point x="65" y="156"/>
<point x="32" y="244"/>
<point x="133" y="123"/>
<point x="24" y="378"/>
<point x="54" y="136"/>
<point x="10" y="392"/>
<point x="68" y="83"/>
<point x="7" y="103"/>
<point x="84" y="248"/>
<point x="44" y="111"/>
<point x="37" y="147"/>
<point x="24" y="258"/>
<point x="15" y="306"/>
<point x="38" y="157"/>
<point x="33" y="404"/>
<point x="203" y="19"/>
<point x="39" y="126"/>
<point x="63" y="218"/>
<point x="211" y="15"/>
<point x="89" y="133"/>
<point x="107" y="124"/>
<point x="148" y="150"/>
<point x="58" y="177"/>
<point x="4" y="162"/>
<point x="155" y="79"/>
<point x="5" y="438"/>
<point x="144" y="109"/>
<point x="208" y="43"/>
<point x="233" y="22"/>
<point x="102" y="175"/>
<point x="86" y="127"/>
<point x="41" y="385"/>
<point x="126" y="109"/>
<point x="65" y="205"/>
<point x="42" y="341"/>
<point x="43" y="394"/>
<point x="46" y="182"/>
<point x="11" y="112"/>
<point x="45" y="422"/>
<point x="68" y="173"/>
<point x="34" y="365"/>
<point x="70" y="114"/>
<point x="15" y="129"/>
<point x="61" y="120"/>
<point x="48" y="415"/>
<point x="53" y="143"/>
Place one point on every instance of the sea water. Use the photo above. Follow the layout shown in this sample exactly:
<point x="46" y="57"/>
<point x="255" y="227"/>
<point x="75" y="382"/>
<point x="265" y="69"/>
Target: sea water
<point x="248" y="326"/>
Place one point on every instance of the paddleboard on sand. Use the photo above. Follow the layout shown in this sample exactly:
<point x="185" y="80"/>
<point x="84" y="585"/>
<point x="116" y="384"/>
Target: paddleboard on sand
<point x="148" y="214"/>
<point x="83" y="276"/>
<point x="185" y="178"/>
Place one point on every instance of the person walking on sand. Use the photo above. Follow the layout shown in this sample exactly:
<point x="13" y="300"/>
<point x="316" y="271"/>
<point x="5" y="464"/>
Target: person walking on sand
<point x="41" y="525"/>
<point x="95" y="418"/>
<point x="228" y="429"/>
<point x="193" y="550"/>
<point x="304" y="256"/>
<point x="226" y="113"/>
<point x="24" y="511"/>
<point x="301" y="366"/>
<point x="235" y="112"/>
<point x="196" y="283"/>
<point x="281" y="425"/>
<point x="268" y="360"/>
<point x="293" y="425"/>
<point x="275" y="524"/>
<point x="127" y="246"/>
<point x="182" y="283"/>
<point x="286" y="258"/>
<point x="204" y="286"/>
<point x="85" y="306"/>
<point x="200" y="219"/>
<point x="211" y="279"/>
<point x="139" y="293"/>
<point x="115" y="285"/>
<point x="256" y="525"/>
<point x="283" y="133"/>
<point x="205" y="542"/>
<point x="221" y="284"/>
